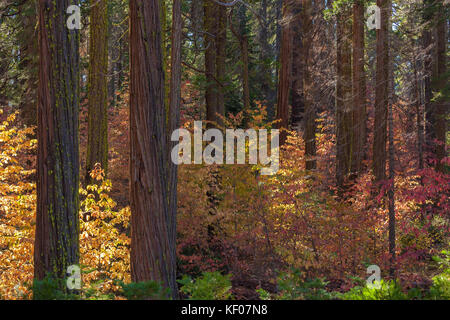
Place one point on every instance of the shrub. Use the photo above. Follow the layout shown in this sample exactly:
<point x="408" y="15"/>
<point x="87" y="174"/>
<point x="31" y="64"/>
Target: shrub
<point x="440" y="290"/>
<point x="387" y="290"/>
<point x="144" y="290"/>
<point x="50" y="288"/>
<point x="210" y="286"/>
<point x="293" y="286"/>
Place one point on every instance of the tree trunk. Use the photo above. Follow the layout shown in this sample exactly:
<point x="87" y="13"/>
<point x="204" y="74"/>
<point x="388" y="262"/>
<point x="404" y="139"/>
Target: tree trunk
<point x="221" y="43"/>
<point x="57" y="226"/>
<point x="97" y="147"/>
<point x="441" y="80"/>
<point x="359" y="88"/>
<point x="28" y="63"/>
<point x="344" y="100"/>
<point x="284" y="73"/>
<point x="381" y="94"/>
<point x="298" y="61"/>
<point x="152" y="247"/>
<point x="241" y="36"/>
<point x="391" y="195"/>
<point x="390" y="119"/>
<point x="245" y="76"/>
<point x="427" y="42"/>
<point x="265" y="55"/>
<point x="210" y="61"/>
<point x="272" y="114"/>
<point x="174" y="116"/>
<point x="308" y="87"/>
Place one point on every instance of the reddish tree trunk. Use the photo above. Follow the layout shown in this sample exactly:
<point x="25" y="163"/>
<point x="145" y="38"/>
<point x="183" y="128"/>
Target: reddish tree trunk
<point x="152" y="247"/>
<point x="344" y="100"/>
<point x="359" y="88"/>
<point x="57" y="225"/>
<point x="381" y="94"/>
<point x="284" y="73"/>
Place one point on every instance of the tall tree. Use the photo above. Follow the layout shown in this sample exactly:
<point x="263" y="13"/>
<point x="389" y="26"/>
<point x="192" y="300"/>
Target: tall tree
<point x="221" y="44"/>
<point x="391" y="149"/>
<point x="265" y="55"/>
<point x="344" y="100"/>
<point x="381" y="93"/>
<point x="285" y="71"/>
<point x="174" y="115"/>
<point x="298" y="61"/>
<point x="440" y="76"/>
<point x="57" y="225"/>
<point x="359" y="88"/>
<point x="28" y="61"/>
<point x="427" y="43"/>
<point x="303" y="114"/>
<point x="97" y="147"/>
<point x="152" y="246"/>
<point x="210" y="24"/>
<point x="310" y="111"/>
<point x="242" y="37"/>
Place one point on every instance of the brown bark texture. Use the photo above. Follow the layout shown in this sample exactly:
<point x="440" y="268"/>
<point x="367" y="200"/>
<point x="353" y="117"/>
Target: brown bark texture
<point x="152" y="247"/>
<point x="57" y="225"/>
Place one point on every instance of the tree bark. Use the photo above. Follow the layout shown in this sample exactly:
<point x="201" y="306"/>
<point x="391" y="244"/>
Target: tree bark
<point x="57" y="226"/>
<point x="210" y="61"/>
<point x="344" y="100"/>
<point x="441" y="80"/>
<point x="174" y="116"/>
<point x="97" y="147"/>
<point x="308" y="87"/>
<point x="152" y="247"/>
<point x="241" y="36"/>
<point x="427" y="42"/>
<point x="359" y="88"/>
<point x="221" y="43"/>
<point x="284" y="73"/>
<point x="298" y="66"/>
<point x="265" y="55"/>
<point x="381" y="94"/>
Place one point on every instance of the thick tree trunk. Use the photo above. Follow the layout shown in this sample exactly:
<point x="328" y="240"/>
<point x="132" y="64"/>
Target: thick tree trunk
<point x="381" y="94"/>
<point x="57" y="225"/>
<point x="359" y="88"/>
<point x="152" y="247"/>
<point x="97" y="147"/>
<point x="344" y="100"/>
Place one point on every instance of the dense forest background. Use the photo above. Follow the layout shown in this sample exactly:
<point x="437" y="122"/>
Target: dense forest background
<point x="85" y="172"/>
